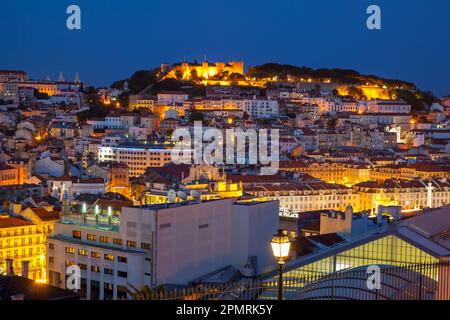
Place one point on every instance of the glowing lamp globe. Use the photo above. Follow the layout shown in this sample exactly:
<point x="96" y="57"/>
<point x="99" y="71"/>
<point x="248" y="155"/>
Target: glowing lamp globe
<point x="280" y="245"/>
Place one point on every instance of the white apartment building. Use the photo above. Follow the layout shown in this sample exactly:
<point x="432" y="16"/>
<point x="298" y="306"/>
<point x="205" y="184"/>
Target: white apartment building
<point x="73" y="186"/>
<point x="261" y="108"/>
<point x="172" y="97"/>
<point x="308" y="197"/>
<point x="120" y="121"/>
<point x="256" y="108"/>
<point x="138" y="158"/>
<point x="388" y="106"/>
<point x="409" y="194"/>
<point x="218" y="104"/>
<point x="395" y="119"/>
<point x="161" y="244"/>
<point x="325" y="103"/>
<point x="68" y="98"/>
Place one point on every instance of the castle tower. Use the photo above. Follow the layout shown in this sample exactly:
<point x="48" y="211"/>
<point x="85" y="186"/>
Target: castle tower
<point x="77" y="78"/>
<point x="61" y="77"/>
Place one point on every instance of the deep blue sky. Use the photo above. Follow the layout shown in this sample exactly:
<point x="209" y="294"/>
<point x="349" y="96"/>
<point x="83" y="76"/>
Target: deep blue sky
<point x="119" y="37"/>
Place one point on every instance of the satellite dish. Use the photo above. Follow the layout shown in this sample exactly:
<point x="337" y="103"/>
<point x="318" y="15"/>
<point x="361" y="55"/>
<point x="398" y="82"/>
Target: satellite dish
<point x="183" y="196"/>
<point x="196" y="194"/>
<point x="171" y="195"/>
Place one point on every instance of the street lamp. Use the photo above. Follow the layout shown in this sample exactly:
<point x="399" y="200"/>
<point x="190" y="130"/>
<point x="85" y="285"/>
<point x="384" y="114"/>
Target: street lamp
<point x="280" y="248"/>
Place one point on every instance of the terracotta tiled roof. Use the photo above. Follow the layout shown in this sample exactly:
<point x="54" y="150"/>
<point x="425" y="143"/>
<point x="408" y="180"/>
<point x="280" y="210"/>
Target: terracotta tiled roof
<point x="4" y="166"/>
<point x="11" y="222"/>
<point x="45" y="215"/>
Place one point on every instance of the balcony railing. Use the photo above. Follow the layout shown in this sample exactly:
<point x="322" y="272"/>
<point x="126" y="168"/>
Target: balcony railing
<point x="92" y="219"/>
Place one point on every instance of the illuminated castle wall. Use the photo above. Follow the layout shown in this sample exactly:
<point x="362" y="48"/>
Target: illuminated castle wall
<point x="206" y="69"/>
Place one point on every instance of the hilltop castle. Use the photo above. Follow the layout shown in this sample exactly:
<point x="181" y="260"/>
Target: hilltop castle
<point x="204" y="70"/>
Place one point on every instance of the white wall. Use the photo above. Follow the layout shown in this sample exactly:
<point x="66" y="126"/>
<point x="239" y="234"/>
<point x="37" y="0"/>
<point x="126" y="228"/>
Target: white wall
<point x="205" y="237"/>
<point x="254" y="224"/>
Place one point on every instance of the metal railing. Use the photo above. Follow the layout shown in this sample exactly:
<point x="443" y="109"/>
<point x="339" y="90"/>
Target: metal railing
<point x="428" y="281"/>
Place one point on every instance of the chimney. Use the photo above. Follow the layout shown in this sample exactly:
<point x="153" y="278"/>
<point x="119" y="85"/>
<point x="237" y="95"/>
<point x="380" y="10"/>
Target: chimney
<point x="25" y="268"/>
<point x="380" y="215"/>
<point x="349" y="213"/>
<point x="9" y="267"/>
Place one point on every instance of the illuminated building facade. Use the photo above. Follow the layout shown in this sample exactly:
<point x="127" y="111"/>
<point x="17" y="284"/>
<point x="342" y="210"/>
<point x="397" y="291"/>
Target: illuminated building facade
<point x="43" y="219"/>
<point x="353" y="173"/>
<point x="119" y="181"/>
<point x="418" y="170"/>
<point x="332" y="172"/>
<point x="13" y="173"/>
<point x="137" y="102"/>
<point x="49" y="88"/>
<point x="21" y="241"/>
<point x="409" y="194"/>
<point x="308" y="197"/>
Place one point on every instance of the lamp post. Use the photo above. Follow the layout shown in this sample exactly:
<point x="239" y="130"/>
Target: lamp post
<point x="280" y="248"/>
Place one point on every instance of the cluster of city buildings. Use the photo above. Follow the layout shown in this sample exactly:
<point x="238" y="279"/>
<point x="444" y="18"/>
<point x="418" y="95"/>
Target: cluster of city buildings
<point x="103" y="194"/>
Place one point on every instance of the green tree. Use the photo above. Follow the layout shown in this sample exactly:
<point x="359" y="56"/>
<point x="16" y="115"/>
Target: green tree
<point x="179" y="74"/>
<point x="91" y="98"/>
<point x="356" y="93"/>
<point x="236" y="76"/>
<point x="94" y="112"/>
<point x="332" y="123"/>
<point x="417" y="100"/>
<point x="317" y="89"/>
<point x="124" y="99"/>
<point x="194" y="75"/>
<point x="139" y="80"/>
<point x="196" y="116"/>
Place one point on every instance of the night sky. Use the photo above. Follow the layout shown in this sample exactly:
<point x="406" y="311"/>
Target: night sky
<point x="120" y="37"/>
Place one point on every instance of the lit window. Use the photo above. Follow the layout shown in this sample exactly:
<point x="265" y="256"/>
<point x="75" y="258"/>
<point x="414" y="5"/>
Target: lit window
<point x="76" y="234"/>
<point x="70" y="250"/>
<point x="109" y="257"/>
<point x="95" y="269"/>
<point x="117" y="241"/>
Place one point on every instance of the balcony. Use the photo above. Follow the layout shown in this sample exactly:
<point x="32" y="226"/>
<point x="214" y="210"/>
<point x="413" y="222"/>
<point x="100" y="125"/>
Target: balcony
<point x="96" y="220"/>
